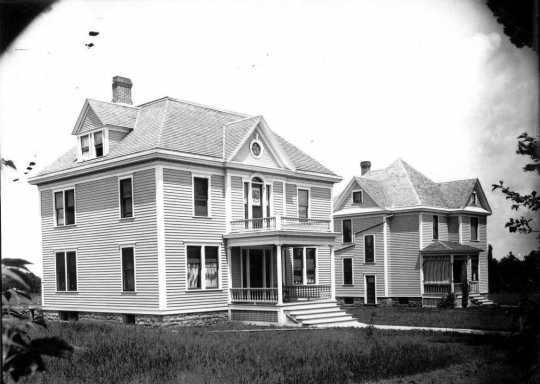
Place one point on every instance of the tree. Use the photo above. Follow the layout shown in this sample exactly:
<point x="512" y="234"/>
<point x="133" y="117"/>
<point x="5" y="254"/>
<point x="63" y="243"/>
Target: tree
<point x="527" y="146"/>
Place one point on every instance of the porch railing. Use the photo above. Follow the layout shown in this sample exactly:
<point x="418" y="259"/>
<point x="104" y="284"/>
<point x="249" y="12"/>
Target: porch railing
<point x="473" y="287"/>
<point x="437" y="288"/>
<point x="280" y="223"/>
<point x="254" y="295"/>
<point x="292" y="292"/>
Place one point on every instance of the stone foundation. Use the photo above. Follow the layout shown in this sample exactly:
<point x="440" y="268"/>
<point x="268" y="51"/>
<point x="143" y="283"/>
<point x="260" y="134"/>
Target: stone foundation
<point x="382" y="301"/>
<point x="183" y="319"/>
<point x="347" y="300"/>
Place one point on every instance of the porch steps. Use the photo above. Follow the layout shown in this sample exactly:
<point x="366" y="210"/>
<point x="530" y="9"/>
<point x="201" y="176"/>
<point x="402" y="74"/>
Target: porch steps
<point x="482" y="301"/>
<point x="322" y="315"/>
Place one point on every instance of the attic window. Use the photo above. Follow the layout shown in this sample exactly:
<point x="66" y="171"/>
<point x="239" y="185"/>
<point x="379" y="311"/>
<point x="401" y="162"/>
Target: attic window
<point x="474" y="199"/>
<point x="256" y="148"/>
<point x="358" y="197"/>
<point x="93" y="144"/>
<point x="98" y="143"/>
<point x="85" y="147"/>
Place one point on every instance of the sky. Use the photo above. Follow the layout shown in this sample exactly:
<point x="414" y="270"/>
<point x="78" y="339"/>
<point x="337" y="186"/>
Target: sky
<point x="434" y="82"/>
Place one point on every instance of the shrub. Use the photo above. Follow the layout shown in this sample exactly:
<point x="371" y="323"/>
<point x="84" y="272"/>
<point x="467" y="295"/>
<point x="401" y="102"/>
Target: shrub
<point x="449" y="301"/>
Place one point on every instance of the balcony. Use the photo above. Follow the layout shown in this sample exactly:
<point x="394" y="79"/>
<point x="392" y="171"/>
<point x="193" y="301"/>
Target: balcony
<point x="277" y="223"/>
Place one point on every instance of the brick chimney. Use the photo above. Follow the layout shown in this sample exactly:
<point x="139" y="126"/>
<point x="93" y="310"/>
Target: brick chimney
<point x="365" y="166"/>
<point x="121" y="90"/>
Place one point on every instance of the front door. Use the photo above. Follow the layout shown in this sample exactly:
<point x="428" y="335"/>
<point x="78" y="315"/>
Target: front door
<point x="370" y="290"/>
<point x="256" y="268"/>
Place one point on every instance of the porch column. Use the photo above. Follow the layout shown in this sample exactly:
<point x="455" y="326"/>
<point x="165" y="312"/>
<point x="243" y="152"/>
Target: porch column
<point x="279" y="275"/>
<point x="332" y="273"/>
<point x="229" y="272"/>
<point x="452" y="273"/>
<point x="469" y="268"/>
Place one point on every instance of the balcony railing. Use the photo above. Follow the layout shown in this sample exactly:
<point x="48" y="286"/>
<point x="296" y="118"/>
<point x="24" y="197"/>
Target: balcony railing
<point x="254" y="295"/>
<point x="294" y="292"/>
<point x="280" y="223"/>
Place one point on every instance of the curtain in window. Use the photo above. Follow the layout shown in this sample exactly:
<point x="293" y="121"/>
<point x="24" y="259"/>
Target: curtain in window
<point x="69" y="196"/>
<point x="298" y="265"/>
<point x="474" y="228"/>
<point x="437" y="270"/>
<point x="59" y="207"/>
<point x="303" y="203"/>
<point x="194" y="267"/>
<point x="211" y="264"/>
<point x="311" y="265"/>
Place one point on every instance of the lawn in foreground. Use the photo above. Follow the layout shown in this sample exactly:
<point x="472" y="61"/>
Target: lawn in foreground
<point x="110" y="353"/>
<point x="472" y="318"/>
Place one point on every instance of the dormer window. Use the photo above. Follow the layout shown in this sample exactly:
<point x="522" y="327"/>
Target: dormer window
<point x="85" y="147"/>
<point x="358" y="197"/>
<point x="93" y="145"/>
<point x="474" y="198"/>
<point x="98" y="143"/>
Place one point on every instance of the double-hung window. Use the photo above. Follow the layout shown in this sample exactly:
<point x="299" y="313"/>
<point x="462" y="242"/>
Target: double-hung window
<point x="200" y="196"/>
<point x="474" y="228"/>
<point x="202" y="267"/>
<point x="303" y="203"/>
<point x="311" y="266"/>
<point x="64" y="207"/>
<point x="435" y="227"/>
<point x="66" y="271"/>
<point x="128" y="269"/>
<point x="347" y="231"/>
<point x="298" y="265"/>
<point x="98" y="143"/>
<point x="369" y="249"/>
<point x="126" y="197"/>
<point x="304" y="265"/>
<point x="347" y="271"/>
<point x="85" y="147"/>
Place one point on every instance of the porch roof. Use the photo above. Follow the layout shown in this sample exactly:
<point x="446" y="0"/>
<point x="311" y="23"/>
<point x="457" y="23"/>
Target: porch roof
<point x="280" y="237"/>
<point x="448" y="247"/>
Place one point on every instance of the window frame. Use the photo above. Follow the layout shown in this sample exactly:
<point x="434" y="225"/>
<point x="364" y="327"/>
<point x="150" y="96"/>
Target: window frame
<point x="203" y="267"/>
<point x="89" y="155"/>
<point x="361" y="196"/>
<point x="120" y="179"/>
<point x="208" y="192"/>
<point x="477" y="228"/>
<point x="343" y="231"/>
<point x="474" y="198"/>
<point x="343" y="283"/>
<point x="308" y="202"/>
<point x="65" y="252"/>
<point x="366" y="275"/>
<point x="91" y="144"/>
<point x="121" y="247"/>
<point x="435" y="219"/>
<point x="304" y="265"/>
<point x="63" y="190"/>
<point x="374" y="248"/>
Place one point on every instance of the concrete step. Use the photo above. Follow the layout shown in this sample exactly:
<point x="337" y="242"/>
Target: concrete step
<point x="353" y="323"/>
<point x="308" y="306"/>
<point x="323" y="315"/>
<point x="313" y="311"/>
<point x="330" y="320"/>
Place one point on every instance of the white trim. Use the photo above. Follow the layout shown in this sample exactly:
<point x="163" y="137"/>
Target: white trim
<point x="160" y="224"/>
<point x="121" y="247"/>
<point x="342" y="196"/>
<point x="256" y="140"/>
<point x="385" y="254"/>
<point x="120" y="178"/>
<point x="209" y="193"/>
<point x="63" y="190"/>
<point x="65" y="251"/>
<point x="332" y="273"/>
<point x="376" y="211"/>
<point x="374" y="248"/>
<point x="303" y="188"/>
<point x="366" y="275"/>
<point x="361" y="195"/>
<point x="228" y="254"/>
<point x="477" y="228"/>
<point x="420" y="231"/>
<point x="304" y="265"/>
<point x="279" y="270"/>
<point x="228" y="200"/>
<point x="202" y="271"/>
<point x="460" y="229"/>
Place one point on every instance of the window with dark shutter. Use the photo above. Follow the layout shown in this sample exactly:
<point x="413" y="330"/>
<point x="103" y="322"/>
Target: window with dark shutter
<point x="128" y="269"/>
<point x="347" y="271"/>
<point x="126" y="198"/>
<point x="347" y="231"/>
<point x="200" y="196"/>
<point x="369" y="249"/>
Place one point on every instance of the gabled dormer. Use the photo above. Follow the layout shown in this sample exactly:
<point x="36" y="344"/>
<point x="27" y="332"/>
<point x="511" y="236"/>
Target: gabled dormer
<point x="477" y="198"/>
<point x="101" y="124"/>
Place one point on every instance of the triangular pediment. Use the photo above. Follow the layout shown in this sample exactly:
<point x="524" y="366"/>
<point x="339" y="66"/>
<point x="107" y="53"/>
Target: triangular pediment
<point x="88" y="120"/>
<point x="477" y="198"/>
<point x="345" y="199"/>
<point x="255" y="144"/>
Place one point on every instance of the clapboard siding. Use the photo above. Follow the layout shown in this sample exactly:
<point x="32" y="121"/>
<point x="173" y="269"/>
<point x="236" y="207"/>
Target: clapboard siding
<point x="427" y="228"/>
<point x="481" y="244"/>
<point x="361" y="226"/>
<point x="182" y="229"/>
<point x="291" y="200"/>
<point x="320" y="202"/>
<point x="368" y="202"/>
<point x="237" y="198"/>
<point x="96" y="238"/>
<point x="453" y="228"/>
<point x="277" y="200"/>
<point x="403" y="256"/>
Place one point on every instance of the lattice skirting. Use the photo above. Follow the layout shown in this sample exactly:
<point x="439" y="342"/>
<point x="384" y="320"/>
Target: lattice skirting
<point x="261" y="316"/>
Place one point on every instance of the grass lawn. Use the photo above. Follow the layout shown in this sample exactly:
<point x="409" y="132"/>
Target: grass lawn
<point x="109" y="353"/>
<point x="505" y="298"/>
<point x="475" y="318"/>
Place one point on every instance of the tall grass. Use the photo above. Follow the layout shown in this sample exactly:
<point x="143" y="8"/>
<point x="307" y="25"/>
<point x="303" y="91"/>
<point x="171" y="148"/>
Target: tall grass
<point x="127" y="354"/>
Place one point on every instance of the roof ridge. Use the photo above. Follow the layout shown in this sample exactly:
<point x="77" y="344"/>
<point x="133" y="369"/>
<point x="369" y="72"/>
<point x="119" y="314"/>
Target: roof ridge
<point x="240" y="120"/>
<point x="402" y="164"/>
<point x="454" y="181"/>
<point x="204" y="106"/>
<point x="115" y="104"/>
